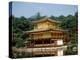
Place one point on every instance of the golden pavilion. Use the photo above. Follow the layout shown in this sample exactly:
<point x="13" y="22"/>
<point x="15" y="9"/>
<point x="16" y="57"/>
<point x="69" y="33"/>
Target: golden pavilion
<point x="46" y="39"/>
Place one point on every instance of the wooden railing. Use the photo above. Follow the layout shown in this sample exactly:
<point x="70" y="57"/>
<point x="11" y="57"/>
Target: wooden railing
<point x="45" y="37"/>
<point x="37" y="45"/>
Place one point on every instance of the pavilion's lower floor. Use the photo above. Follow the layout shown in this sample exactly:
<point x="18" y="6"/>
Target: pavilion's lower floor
<point x="47" y="51"/>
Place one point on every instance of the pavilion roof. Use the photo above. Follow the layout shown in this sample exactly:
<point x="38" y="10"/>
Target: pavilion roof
<point x="46" y="19"/>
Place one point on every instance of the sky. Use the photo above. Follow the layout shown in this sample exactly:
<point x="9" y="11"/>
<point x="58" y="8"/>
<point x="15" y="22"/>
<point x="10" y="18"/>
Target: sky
<point x="28" y="9"/>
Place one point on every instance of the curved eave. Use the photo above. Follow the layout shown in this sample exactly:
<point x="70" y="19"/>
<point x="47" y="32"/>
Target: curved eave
<point x="33" y="31"/>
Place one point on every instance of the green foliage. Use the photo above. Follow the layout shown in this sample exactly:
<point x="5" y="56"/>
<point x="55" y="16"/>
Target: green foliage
<point x="72" y="49"/>
<point x="53" y="17"/>
<point x="19" y="25"/>
<point x="70" y="23"/>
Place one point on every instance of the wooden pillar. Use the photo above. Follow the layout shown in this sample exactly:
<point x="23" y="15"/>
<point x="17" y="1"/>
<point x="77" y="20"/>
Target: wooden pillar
<point x="50" y="41"/>
<point x="32" y="48"/>
<point x="34" y="42"/>
<point x="51" y="49"/>
<point x="42" y="50"/>
<point x="42" y="41"/>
